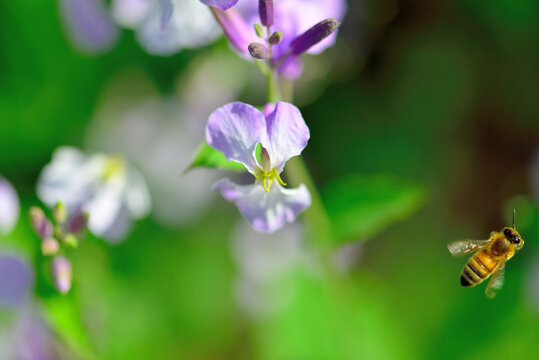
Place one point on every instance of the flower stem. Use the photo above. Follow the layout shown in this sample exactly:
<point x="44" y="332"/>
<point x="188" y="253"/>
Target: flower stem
<point x="315" y="216"/>
<point x="274" y="91"/>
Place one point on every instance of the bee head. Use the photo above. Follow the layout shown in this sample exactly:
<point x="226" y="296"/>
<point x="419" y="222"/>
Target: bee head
<point x="513" y="236"/>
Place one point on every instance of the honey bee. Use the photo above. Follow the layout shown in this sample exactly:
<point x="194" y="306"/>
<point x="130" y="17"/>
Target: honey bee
<point x="489" y="258"/>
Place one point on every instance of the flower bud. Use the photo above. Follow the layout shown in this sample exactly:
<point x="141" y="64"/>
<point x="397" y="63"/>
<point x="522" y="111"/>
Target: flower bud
<point x="258" y="51"/>
<point x="61" y="273"/>
<point x="77" y="223"/>
<point x="265" y="10"/>
<point x="275" y="38"/>
<point x="59" y="213"/>
<point x="313" y="36"/>
<point x="49" y="246"/>
<point x="71" y="240"/>
<point x="259" y="30"/>
<point x="40" y="223"/>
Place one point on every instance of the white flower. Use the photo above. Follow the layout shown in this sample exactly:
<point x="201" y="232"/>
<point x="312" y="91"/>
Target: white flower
<point x="164" y="27"/>
<point x="105" y="187"/>
<point x="9" y="207"/>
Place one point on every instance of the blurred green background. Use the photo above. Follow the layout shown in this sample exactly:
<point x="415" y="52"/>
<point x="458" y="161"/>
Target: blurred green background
<point x="436" y="97"/>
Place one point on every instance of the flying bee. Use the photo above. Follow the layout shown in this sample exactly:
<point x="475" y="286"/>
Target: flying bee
<point x="489" y="258"/>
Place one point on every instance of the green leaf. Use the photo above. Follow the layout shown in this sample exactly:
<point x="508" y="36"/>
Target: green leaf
<point x="206" y="156"/>
<point x="360" y="206"/>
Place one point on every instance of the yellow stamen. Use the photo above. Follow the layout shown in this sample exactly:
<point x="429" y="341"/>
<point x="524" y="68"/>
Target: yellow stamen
<point x="267" y="178"/>
<point x="279" y="179"/>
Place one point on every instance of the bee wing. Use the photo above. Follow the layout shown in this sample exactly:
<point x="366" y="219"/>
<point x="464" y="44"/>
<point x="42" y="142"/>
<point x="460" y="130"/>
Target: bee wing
<point x="496" y="281"/>
<point x="464" y="247"/>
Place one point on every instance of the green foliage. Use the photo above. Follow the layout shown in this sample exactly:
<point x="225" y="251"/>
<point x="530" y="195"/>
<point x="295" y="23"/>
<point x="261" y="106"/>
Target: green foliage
<point x="63" y="315"/>
<point x="360" y="206"/>
<point x="328" y="321"/>
<point x="206" y="156"/>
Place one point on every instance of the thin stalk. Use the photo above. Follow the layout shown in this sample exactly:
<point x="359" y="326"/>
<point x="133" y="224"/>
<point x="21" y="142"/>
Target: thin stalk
<point x="315" y="216"/>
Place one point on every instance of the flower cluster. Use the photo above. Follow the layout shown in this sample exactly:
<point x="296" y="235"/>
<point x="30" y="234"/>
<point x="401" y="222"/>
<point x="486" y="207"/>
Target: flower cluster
<point x="264" y="141"/>
<point x="162" y="27"/>
<point x="56" y="236"/>
<point x="293" y="27"/>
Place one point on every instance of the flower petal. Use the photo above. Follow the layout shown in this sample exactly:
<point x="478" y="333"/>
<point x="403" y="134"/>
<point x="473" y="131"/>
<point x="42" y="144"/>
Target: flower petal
<point x="103" y="209"/>
<point x="287" y="134"/>
<point x="165" y="31"/>
<point x="89" y="25"/>
<point x="266" y="212"/>
<point x="221" y="4"/>
<point x="129" y="13"/>
<point x="137" y="195"/>
<point x="166" y="12"/>
<point x="15" y="280"/>
<point x="9" y="207"/>
<point x="291" y="68"/>
<point x="235" y="129"/>
<point x="68" y="178"/>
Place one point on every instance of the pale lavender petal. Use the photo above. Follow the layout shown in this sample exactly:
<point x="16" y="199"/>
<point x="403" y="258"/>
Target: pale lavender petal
<point x="188" y="25"/>
<point x="89" y="25"/>
<point x="15" y="280"/>
<point x="266" y="212"/>
<point x="130" y="13"/>
<point x="31" y="337"/>
<point x="221" y="4"/>
<point x="166" y="12"/>
<point x="120" y="227"/>
<point x="268" y="109"/>
<point x="9" y="207"/>
<point x="291" y="68"/>
<point x="67" y="178"/>
<point x="287" y="134"/>
<point x="235" y="129"/>
<point x="236" y="30"/>
<point x="103" y="209"/>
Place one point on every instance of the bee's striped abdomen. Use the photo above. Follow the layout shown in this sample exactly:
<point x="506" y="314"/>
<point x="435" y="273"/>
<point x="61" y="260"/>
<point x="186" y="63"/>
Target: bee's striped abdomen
<point x="478" y="268"/>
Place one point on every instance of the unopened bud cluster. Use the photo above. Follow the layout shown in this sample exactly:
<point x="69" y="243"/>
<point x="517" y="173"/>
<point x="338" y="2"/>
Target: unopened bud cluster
<point x="298" y="46"/>
<point x="56" y="236"/>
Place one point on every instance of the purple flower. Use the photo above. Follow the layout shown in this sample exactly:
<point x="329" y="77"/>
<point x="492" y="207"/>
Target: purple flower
<point x="89" y="25"/>
<point x="15" y="280"/>
<point x="9" y="207"/>
<point x="236" y="129"/>
<point x="221" y="4"/>
<point x="293" y="18"/>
